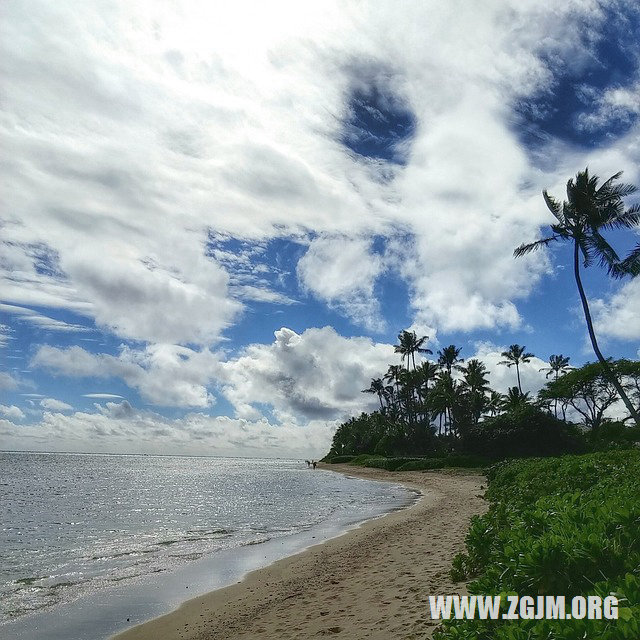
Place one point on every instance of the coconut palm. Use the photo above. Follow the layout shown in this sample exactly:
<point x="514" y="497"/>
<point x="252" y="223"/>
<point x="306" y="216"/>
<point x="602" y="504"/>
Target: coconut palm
<point x="589" y="210"/>
<point x="409" y="345"/>
<point x="449" y="357"/>
<point x="515" y="356"/>
<point x="476" y="387"/>
<point x="377" y="386"/>
<point x="558" y="364"/>
<point x="515" y="399"/>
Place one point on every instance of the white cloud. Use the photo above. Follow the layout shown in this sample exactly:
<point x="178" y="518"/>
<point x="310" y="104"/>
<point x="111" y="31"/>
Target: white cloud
<point x="12" y="412"/>
<point x="7" y="381"/>
<point x="132" y="132"/>
<point x="120" y="428"/>
<point x="317" y="374"/>
<point x="342" y="272"/>
<point x="102" y="396"/>
<point x="619" y="315"/>
<point x="40" y="320"/>
<point x="51" y="404"/>
<point x="165" y="375"/>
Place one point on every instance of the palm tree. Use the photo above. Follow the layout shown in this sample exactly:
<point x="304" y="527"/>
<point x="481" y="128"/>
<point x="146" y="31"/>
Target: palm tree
<point x="516" y="356"/>
<point x="515" y="399"/>
<point x="581" y="218"/>
<point x="476" y="386"/>
<point x="494" y="402"/>
<point x="377" y="386"/>
<point x="449" y="357"/>
<point x="558" y="364"/>
<point x="409" y="345"/>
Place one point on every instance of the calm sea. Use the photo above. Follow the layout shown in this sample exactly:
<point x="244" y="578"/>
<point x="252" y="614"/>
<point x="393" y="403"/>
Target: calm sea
<point x="74" y="524"/>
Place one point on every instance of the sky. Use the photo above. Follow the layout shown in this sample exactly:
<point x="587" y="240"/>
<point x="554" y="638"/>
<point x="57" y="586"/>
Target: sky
<point x="217" y="217"/>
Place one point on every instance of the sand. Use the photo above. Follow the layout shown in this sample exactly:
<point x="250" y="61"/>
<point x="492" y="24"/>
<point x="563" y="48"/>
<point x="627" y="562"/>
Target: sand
<point x="372" y="582"/>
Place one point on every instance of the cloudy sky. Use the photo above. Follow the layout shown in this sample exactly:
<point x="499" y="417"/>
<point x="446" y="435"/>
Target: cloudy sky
<point x="216" y="217"/>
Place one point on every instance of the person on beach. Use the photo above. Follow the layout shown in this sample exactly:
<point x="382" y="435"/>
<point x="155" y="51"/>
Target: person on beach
<point x="314" y="463"/>
<point x="308" y="464"/>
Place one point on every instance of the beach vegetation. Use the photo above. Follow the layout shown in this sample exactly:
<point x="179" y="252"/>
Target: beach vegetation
<point x="556" y="526"/>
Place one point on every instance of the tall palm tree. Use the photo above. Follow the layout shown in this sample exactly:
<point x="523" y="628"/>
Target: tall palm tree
<point x="476" y="386"/>
<point x="588" y="210"/>
<point x="449" y="357"/>
<point x="377" y="386"/>
<point x="515" y="356"/>
<point x="558" y="364"/>
<point x="409" y="345"/>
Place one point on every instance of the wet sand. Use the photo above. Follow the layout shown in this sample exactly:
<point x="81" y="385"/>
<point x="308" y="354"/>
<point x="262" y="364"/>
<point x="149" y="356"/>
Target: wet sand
<point x="372" y="582"/>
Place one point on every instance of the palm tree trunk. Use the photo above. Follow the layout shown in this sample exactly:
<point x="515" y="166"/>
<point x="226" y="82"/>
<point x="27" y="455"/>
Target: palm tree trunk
<point x="518" y="374"/>
<point x="594" y="343"/>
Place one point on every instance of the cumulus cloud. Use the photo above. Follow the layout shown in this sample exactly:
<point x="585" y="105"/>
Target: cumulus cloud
<point x="502" y="377"/>
<point x="121" y="428"/>
<point x="619" y="315"/>
<point x="342" y="272"/>
<point x="315" y="375"/>
<point x="165" y="375"/>
<point x="11" y="412"/>
<point x="51" y="404"/>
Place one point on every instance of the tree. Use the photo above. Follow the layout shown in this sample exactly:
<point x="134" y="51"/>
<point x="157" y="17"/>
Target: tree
<point x="558" y="364"/>
<point x="515" y="356"/>
<point x="377" y="386"/>
<point x="515" y="399"/>
<point x="409" y="345"/>
<point x="589" y="210"/>
<point x="476" y="386"/>
<point x="587" y="389"/>
<point x="449" y="357"/>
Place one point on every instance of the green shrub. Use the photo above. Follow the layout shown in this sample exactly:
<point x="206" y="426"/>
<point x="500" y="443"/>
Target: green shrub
<point x="523" y="432"/>
<point x="558" y="526"/>
<point x="363" y="458"/>
<point x="390" y="464"/>
<point x="340" y="459"/>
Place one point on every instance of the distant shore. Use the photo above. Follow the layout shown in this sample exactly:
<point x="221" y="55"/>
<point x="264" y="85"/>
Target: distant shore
<point x="373" y="581"/>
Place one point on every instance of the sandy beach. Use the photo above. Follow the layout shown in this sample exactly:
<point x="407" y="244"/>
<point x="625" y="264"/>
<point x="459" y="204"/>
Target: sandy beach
<point x="372" y="582"/>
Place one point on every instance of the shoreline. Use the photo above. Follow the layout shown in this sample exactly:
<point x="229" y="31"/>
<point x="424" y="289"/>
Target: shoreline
<point x="370" y="581"/>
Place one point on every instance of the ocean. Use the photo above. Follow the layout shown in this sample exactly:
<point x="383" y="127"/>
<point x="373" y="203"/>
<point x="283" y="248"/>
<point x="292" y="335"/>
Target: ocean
<point x="81" y="529"/>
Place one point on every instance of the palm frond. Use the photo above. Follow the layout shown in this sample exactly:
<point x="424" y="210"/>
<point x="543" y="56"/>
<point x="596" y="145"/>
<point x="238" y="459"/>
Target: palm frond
<point x="525" y="248"/>
<point x="631" y="264"/>
<point x="554" y="206"/>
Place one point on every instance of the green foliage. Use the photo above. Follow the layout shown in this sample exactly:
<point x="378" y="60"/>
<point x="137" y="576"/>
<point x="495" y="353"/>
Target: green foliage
<point x="390" y="464"/>
<point x="558" y="526"/>
<point x="463" y="461"/>
<point x="363" y="458"/>
<point x="524" y="431"/>
<point x="340" y="459"/>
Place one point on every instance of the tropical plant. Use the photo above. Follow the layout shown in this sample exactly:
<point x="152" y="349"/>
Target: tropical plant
<point x="589" y="210"/>
<point x="515" y="356"/>
<point x="377" y="387"/>
<point x="409" y="345"/>
<point x="558" y="364"/>
<point x="448" y="358"/>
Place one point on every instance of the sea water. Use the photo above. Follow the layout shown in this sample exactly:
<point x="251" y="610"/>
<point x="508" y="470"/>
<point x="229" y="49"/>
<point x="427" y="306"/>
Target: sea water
<point x="83" y="528"/>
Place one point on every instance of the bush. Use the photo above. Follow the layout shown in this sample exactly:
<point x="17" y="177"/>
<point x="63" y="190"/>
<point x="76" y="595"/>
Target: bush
<point x="465" y="461"/>
<point x="557" y="526"/>
<point x="523" y="432"/>
<point x="340" y="459"/>
<point x="390" y="464"/>
<point x="363" y="458"/>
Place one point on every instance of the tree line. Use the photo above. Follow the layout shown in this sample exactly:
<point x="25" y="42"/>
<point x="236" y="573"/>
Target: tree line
<point x="447" y="402"/>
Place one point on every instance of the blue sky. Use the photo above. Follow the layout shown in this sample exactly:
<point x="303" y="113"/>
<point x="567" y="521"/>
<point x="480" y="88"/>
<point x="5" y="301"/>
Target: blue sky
<point x="215" y="222"/>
